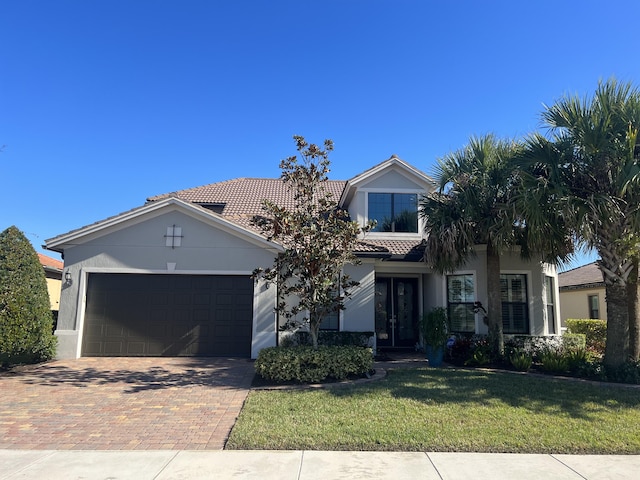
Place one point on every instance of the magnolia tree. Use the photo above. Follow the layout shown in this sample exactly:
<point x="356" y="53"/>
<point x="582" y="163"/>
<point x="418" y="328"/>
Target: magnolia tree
<point x="318" y="239"/>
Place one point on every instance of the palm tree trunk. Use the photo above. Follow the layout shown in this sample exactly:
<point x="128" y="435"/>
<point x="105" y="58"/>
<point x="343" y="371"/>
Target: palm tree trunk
<point x="617" y="349"/>
<point x="633" y="300"/>
<point x="494" y="304"/>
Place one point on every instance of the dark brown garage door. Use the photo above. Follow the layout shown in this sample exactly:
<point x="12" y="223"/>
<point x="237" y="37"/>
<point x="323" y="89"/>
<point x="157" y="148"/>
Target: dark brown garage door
<point x="168" y="315"/>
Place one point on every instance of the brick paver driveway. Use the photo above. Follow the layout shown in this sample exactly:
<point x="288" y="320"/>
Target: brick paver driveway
<point x="123" y="403"/>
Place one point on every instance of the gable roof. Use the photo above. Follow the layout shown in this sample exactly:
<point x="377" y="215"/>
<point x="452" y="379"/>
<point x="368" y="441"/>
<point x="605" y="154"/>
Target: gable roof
<point x="235" y="202"/>
<point x="77" y="236"/>
<point x="586" y="276"/>
<point x="240" y="199"/>
<point x="390" y="163"/>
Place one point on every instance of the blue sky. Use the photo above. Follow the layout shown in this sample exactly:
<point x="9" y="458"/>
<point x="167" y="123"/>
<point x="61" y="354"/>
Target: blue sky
<point x="105" y="103"/>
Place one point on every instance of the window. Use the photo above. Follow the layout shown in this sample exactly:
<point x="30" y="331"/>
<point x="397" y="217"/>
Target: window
<point x="515" y="312"/>
<point x="551" y="308"/>
<point x="460" y="300"/>
<point x="594" y="306"/>
<point x="394" y="212"/>
<point x="331" y="321"/>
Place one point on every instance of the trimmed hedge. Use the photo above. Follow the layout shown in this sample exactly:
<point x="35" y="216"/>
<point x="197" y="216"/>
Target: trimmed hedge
<point x="329" y="337"/>
<point x="595" y="332"/>
<point x="305" y="364"/>
<point x="574" y="341"/>
<point x="26" y="322"/>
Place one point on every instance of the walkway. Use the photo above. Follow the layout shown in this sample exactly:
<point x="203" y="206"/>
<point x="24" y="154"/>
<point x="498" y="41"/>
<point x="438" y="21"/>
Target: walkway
<point x="310" y="465"/>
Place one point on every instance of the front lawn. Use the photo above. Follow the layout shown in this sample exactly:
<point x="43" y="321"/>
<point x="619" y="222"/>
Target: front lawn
<point x="445" y="410"/>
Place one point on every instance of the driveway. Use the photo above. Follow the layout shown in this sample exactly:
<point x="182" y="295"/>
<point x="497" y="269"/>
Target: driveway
<point x="123" y="403"/>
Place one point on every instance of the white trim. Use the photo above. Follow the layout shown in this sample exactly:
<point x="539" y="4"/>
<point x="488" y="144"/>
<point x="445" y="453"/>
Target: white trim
<point x="152" y="210"/>
<point x="530" y="297"/>
<point x="445" y="292"/>
<point x="394" y="235"/>
<point x="406" y="170"/>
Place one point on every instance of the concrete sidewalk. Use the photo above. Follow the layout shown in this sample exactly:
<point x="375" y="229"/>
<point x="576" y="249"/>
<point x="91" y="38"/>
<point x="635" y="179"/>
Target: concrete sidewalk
<point x="308" y="465"/>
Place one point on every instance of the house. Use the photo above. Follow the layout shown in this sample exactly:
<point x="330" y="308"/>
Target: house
<point x="53" y="273"/>
<point x="173" y="276"/>
<point x="582" y="293"/>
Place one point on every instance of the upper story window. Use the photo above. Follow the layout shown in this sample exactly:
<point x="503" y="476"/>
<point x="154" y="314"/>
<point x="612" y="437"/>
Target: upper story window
<point x="394" y="212"/>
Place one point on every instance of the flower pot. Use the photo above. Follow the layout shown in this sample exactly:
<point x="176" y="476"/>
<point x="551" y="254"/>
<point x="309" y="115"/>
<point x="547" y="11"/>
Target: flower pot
<point x="435" y="355"/>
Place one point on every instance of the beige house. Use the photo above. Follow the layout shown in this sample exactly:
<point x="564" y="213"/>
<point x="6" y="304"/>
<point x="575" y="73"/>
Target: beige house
<point x="53" y="273"/>
<point x="582" y="293"/>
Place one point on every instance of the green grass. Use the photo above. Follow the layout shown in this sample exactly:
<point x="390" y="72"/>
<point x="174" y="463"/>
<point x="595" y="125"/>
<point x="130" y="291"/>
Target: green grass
<point x="445" y="410"/>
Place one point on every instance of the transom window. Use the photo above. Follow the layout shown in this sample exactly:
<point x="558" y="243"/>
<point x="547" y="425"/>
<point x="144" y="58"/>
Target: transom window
<point x="394" y="212"/>
<point x="515" y="311"/>
<point x="460" y="301"/>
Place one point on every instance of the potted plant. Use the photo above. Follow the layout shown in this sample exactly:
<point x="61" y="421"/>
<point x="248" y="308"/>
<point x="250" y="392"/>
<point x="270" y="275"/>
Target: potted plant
<point x="435" y="332"/>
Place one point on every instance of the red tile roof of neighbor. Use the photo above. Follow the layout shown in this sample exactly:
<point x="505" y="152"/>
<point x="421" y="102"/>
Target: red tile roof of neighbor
<point x="581" y="277"/>
<point x="241" y="199"/>
<point x="49" y="262"/>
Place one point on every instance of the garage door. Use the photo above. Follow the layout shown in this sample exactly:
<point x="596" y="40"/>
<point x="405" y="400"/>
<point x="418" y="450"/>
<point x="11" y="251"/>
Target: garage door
<point x="168" y="315"/>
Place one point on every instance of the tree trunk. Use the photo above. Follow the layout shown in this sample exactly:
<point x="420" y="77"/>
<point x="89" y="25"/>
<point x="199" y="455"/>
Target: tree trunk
<point x="617" y="349"/>
<point x="494" y="305"/>
<point x="633" y="301"/>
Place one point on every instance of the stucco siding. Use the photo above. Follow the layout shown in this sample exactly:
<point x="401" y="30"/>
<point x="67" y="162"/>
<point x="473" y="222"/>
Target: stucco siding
<point x="141" y="248"/>
<point x="359" y="315"/>
<point x="575" y="303"/>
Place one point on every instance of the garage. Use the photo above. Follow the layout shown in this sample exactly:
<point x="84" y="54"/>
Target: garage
<point x="167" y="315"/>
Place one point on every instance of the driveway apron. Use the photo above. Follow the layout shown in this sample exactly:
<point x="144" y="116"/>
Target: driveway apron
<point x="123" y="403"/>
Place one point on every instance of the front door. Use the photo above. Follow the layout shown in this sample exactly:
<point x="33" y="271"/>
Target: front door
<point x="396" y="312"/>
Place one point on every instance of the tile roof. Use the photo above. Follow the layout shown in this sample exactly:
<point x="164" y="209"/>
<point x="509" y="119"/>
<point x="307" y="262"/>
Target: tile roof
<point x="240" y="199"/>
<point x="582" y="277"/>
<point x="51" y="263"/>
<point x="244" y="196"/>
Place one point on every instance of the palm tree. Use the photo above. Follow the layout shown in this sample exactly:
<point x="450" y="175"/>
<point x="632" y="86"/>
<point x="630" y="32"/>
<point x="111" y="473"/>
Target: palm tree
<point x="588" y="172"/>
<point x="473" y="206"/>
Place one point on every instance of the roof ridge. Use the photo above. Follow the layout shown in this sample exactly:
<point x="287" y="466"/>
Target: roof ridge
<point x="581" y="266"/>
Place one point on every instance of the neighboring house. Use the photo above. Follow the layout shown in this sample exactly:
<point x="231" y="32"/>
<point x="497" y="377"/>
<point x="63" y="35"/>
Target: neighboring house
<point x="173" y="277"/>
<point x="582" y="293"/>
<point x="53" y="273"/>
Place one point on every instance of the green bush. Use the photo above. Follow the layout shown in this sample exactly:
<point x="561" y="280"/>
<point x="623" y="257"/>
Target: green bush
<point x="329" y="337"/>
<point x="26" y="321"/>
<point x="554" y="361"/>
<point x="574" y="341"/>
<point x="521" y="361"/>
<point x="628" y="372"/>
<point x="595" y="332"/>
<point x="308" y="365"/>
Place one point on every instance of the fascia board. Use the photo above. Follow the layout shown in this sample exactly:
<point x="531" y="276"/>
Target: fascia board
<point x="151" y="210"/>
<point x="418" y="175"/>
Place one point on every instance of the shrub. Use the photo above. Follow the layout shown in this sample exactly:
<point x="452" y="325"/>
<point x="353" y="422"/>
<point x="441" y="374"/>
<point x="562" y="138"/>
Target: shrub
<point x="308" y="365"/>
<point x="328" y="337"/>
<point x="534" y="346"/>
<point x="595" y="332"/>
<point x="554" y="361"/>
<point x="573" y="341"/>
<point x="521" y="361"/>
<point x="628" y="372"/>
<point x="576" y="359"/>
<point x="26" y="322"/>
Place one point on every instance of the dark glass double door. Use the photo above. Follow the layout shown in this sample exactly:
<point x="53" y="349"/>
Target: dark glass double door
<point x="396" y="311"/>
